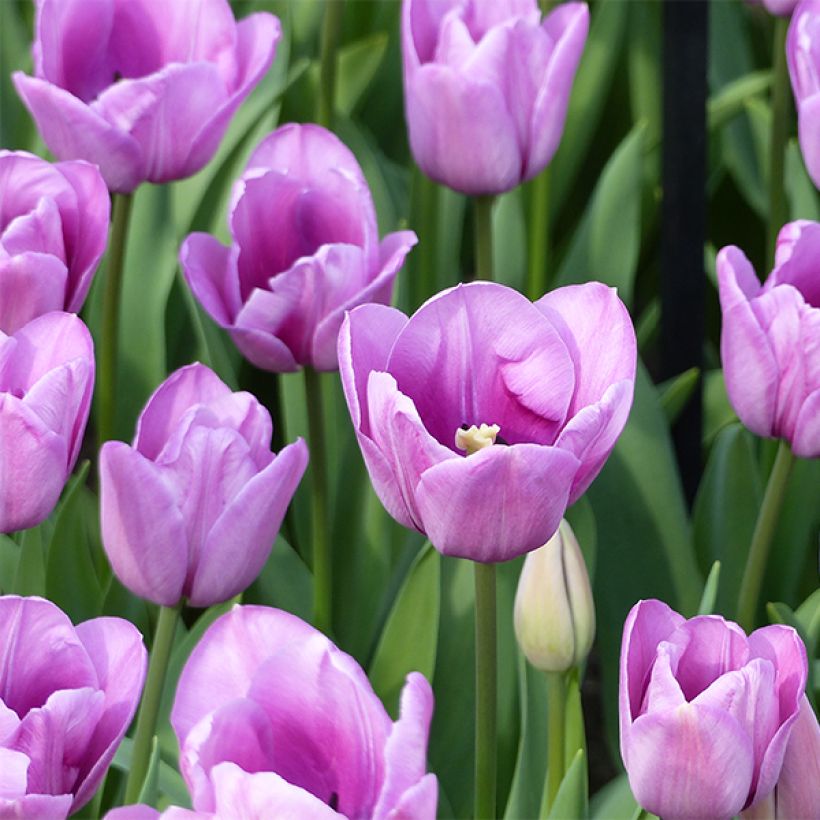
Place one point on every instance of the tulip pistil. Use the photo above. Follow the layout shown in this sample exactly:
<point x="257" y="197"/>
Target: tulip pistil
<point x="472" y="439"/>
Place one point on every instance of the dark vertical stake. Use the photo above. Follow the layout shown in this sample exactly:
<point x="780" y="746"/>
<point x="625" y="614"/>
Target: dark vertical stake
<point x="684" y="216"/>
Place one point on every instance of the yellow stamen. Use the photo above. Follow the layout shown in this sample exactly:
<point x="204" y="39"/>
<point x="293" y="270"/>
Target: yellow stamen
<point x="476" y="438"/>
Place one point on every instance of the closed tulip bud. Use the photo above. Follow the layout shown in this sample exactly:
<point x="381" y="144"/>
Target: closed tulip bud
<point x="554" y="612"/>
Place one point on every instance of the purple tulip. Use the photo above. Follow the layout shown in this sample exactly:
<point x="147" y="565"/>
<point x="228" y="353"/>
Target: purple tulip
<point x="143" y="88"/>
<point x="803" y="54"/>
<point x="705" y="712"/>
<point x="770" y="343"/>
<point x="67" y="695"/>
<point x="53" y="230"/>
<point x="481" y="365"/>
<point x="193" y="508"/>
<point x="486" y="87"/>
<point x="305" y="249"/>
<point x="46" y="381"/>
<point x="268" y="712"/>
<point x="780" y="8"/>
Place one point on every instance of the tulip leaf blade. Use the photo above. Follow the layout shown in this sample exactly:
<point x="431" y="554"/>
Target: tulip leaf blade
<point x="710" y="588"/>
<point x="409" y="639"/>
<point x="676" y="392"/>
<point x="170" y="782"/>
<point x="572" y="799"/>
<point x="149" y="792"/>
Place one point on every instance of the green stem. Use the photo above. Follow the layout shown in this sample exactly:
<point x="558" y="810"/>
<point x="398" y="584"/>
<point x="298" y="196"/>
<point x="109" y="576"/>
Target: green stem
<point x="107" y="369"/>
<point x="556" y="722"/>
<point x="539" y="236"/>
<point x="640" y="814"/>
<point x="322" y="567"/>
<point x="423" y="258"/>
<point x="485" y="691"/>
<point x="331" y="31"/>
<point x="151" y="698"/>
<point x="483" y="211"/>
<point x="762" y="537"/>
<point x="778" y="135"/>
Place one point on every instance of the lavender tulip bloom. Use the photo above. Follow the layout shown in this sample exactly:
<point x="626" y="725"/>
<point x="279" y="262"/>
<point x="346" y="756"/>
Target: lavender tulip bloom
<point x="770" y="342"/>
<point x="46" y="381"/>
<point x="193" y="507"/>
<point x="53" y="230"/>
<point x="780" y="8"/>
<point x="803" y="55"/>
<point x="705" y="712"/>
<point x="67" y="695"/>
<point x="481" y="365"/>
<point x="305" y="249"/>
<point x="268" y="712"/>
<point x="143" y="88"/>
<point x="486" y="87"/>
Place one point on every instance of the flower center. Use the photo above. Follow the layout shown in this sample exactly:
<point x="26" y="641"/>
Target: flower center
<point x="472" y="439"/>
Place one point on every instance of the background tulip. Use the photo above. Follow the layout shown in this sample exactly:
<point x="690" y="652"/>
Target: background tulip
<point x="556" y="376"/>
<point x="67" y="696"/>
<point x="143" y="88"/>
<point x="193" y="507"/>
<point x="305" y="249"/>
<point x="770" y="341"/>
<point x="265" y="691"/>
<point x="46" y="381"/>
<point x="705" y="712"/>
<point x="53" y="230"/>
<point x="803" y="54"/>
<point x="486" y="87"/>
<point x="554" y="612"/>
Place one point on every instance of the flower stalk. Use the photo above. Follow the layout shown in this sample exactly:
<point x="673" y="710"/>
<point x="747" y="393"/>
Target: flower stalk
<point x="778" y="134"/>
<point x="486" y="691"/>
<point x="483" y="210"/>
<point x="331" y="32"/>
<point x="538" y="236"/>
<point x="556" y="718"/>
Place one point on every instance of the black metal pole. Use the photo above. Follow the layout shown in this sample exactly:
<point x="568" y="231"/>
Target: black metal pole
<point x="683" y="232"/>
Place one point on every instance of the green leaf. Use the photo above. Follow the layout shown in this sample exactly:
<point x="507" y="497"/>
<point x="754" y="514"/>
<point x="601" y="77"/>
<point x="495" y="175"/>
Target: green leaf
<point x="410" y="636"/>
<point x="150" y="786"/>
<point x="614" y="801"/>
<point x="731" y="99"/>
<point x="285" y="582"/>
<point x="30" y="578"/>
<point x="717" y="409"/>
<point x="170" y="782"/>
<point x="71" y="572"/>
<point x="800" y="189"/>
<point x="571" y="800"/>
<point x="359" y="64"/>
<point x="808" y="613"/>
<point x="676" y="392"/>
<point x="725" y="510"/>
<point x="710" y="589"/>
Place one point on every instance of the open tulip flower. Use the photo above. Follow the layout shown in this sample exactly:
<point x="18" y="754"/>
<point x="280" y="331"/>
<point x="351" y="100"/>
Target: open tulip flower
<point x="143" y="88"/>
<point x="305" y="249"/>
<point x="803" y="54"/>
<point x="46" y="381"/>
<point x="272" y="718"/>
<point x="53" y="230"/>
<point x="482" y="416"/>
<point x="67" y="695"/>
<point x="706" y="713"/>
<point x="486" y="87"/>
<point x="193" y="507"/>
<point x="770" y="341"/>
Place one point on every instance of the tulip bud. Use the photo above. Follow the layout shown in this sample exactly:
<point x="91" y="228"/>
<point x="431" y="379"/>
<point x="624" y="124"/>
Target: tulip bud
<point x="554" y="613"/>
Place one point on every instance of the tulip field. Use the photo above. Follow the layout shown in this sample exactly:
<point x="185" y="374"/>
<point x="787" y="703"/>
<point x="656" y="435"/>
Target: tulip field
<point x="410" y="409"/>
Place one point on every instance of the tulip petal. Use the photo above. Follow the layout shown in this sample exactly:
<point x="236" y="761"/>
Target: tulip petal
<point x="247" y="527"/>
<point x="647" y="624"/>
<point x="73" y="130"/>
<point x="365" y="338"/>
<point x="493" y="358"/>
<point x="498" y="503"/>
<point x="37" y="230"/>
<point x="143" y="533"/>
<point x="749" y="363"/>
<point x="712" y="769"/>
<point x="116" y="649"/>
<point x="808" y="132"/>
<point x="392" y="252"/>
<point x="36" y="807"/>
<point x="798" y="246"/>
<point x="405" y="753"/>
<point x="139" y="811"/>
<point x="806" y="441"/>
<point x="226" y="659"/>
<point x="210" y="271"/>
<point x="13" y="768"/>
<point x="31" y="284"/>
<point x="418" y="801"/>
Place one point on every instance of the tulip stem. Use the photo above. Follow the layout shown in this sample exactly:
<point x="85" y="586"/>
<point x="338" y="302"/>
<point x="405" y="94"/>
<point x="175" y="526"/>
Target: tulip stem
<point x="539" y="236"/>
<point x="331" y="31"/>
<point x="151" y="698"/>
<point x="483" y="207"/>
<point x="485" y="691"/>
<point x="107" y="372"/>
<point x="778" y="134"/>
<point x="322" y="567"/>
<point x="762" y="537"/>
<point x="556" y="722"/>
